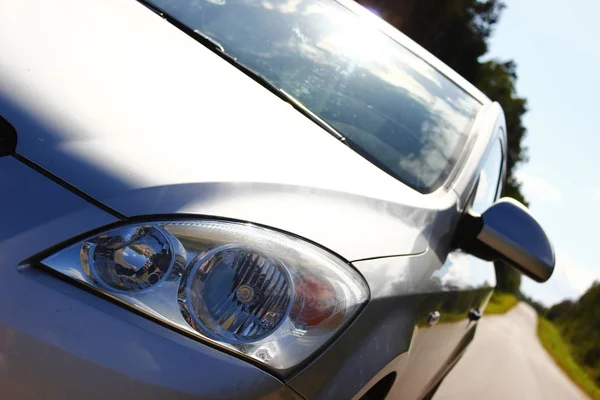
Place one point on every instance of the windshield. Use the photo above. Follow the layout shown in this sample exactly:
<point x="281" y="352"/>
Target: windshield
<point x="394" y="108"/>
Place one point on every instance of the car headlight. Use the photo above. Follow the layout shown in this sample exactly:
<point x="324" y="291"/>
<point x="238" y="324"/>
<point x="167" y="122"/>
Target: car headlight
<point x="257" y="292"/>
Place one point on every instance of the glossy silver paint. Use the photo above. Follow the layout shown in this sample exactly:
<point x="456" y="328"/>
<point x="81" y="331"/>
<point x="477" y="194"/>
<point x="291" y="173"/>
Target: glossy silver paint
<point x="153" y="132"/>
<point x="128" y="109"/>
<point x="58" y="341"/>
<point x="529" y="249"/>
<point x="393" y="332"/>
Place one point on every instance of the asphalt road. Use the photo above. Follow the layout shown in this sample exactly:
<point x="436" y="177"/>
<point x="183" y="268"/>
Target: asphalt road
<point x="507" y="361"/>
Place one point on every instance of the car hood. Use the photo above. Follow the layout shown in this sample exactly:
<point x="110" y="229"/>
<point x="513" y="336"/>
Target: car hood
<point x="122" y="105"/>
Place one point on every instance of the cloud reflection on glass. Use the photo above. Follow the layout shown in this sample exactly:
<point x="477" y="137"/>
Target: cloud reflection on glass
<point x="392" y="106"/>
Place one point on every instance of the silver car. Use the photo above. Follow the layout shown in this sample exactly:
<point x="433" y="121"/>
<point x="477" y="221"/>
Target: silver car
<point x="254" y="199"/>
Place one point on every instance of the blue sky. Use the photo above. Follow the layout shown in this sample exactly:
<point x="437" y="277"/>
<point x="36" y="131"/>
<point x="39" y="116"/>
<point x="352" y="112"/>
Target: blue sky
<point x="556" y="46"/>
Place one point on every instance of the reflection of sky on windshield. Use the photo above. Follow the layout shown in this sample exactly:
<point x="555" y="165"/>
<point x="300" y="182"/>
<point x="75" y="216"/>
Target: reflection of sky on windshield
<point x="390" y="103"/>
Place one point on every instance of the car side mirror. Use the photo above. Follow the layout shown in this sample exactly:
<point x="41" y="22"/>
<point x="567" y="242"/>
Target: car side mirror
<point x="506" y="231"/>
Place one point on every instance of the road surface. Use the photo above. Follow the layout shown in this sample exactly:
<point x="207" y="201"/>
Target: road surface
<point x="507" y="361"/>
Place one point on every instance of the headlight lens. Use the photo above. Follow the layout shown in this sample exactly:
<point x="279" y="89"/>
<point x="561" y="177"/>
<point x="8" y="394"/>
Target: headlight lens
<point x="236" y="294"/>
<point x="264" y="294"/>
<point x="129" y="260"/>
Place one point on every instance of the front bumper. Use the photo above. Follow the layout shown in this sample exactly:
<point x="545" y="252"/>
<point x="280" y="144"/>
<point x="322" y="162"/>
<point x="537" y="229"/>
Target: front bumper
<point x="60" y="342"/>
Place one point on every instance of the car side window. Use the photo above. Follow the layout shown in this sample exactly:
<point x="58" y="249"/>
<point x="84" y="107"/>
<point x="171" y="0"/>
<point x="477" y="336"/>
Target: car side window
<point x="489" y="179"/>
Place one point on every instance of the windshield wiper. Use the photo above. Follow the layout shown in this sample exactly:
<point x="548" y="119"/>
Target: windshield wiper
<point x="297" y="104"/>
<point x="209" y="42"/>
<point x="217" y="48"/>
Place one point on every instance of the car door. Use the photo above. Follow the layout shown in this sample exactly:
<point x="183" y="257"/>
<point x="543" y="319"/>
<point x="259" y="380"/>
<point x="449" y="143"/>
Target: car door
<point x="462" y="286"/>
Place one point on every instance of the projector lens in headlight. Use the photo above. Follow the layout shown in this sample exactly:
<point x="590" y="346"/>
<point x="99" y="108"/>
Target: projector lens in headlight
<point x="259" y="293"/>
<point x="130" y="260"/>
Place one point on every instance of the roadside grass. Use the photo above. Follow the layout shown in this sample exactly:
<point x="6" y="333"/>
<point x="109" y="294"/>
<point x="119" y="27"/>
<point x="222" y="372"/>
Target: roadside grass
<point x="559" y="350"/>
<point x="500" y="303"/>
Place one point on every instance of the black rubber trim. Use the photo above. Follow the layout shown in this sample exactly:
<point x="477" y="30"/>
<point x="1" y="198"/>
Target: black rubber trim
<point x="8" y="138"/>
<point x="69" y="187"/>
<point x="465" y="238"/>
<point x="381" y="389"/>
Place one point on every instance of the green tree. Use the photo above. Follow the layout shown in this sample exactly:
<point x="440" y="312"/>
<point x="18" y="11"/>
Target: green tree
<point x="455" y="31"/>
<point x="579" y="323"/>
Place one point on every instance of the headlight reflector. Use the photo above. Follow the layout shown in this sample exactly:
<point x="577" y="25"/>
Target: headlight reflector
<point x="260" y="293"/>
<point x="129" y="259"/>
<point x="235" y="294"/>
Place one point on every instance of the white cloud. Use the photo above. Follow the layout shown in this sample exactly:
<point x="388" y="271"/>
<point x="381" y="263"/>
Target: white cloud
<point x="569" y="281"/>
<point x="539" y="189"/>
<point x="579" y="277"/>
<point x="597" y="194"/>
